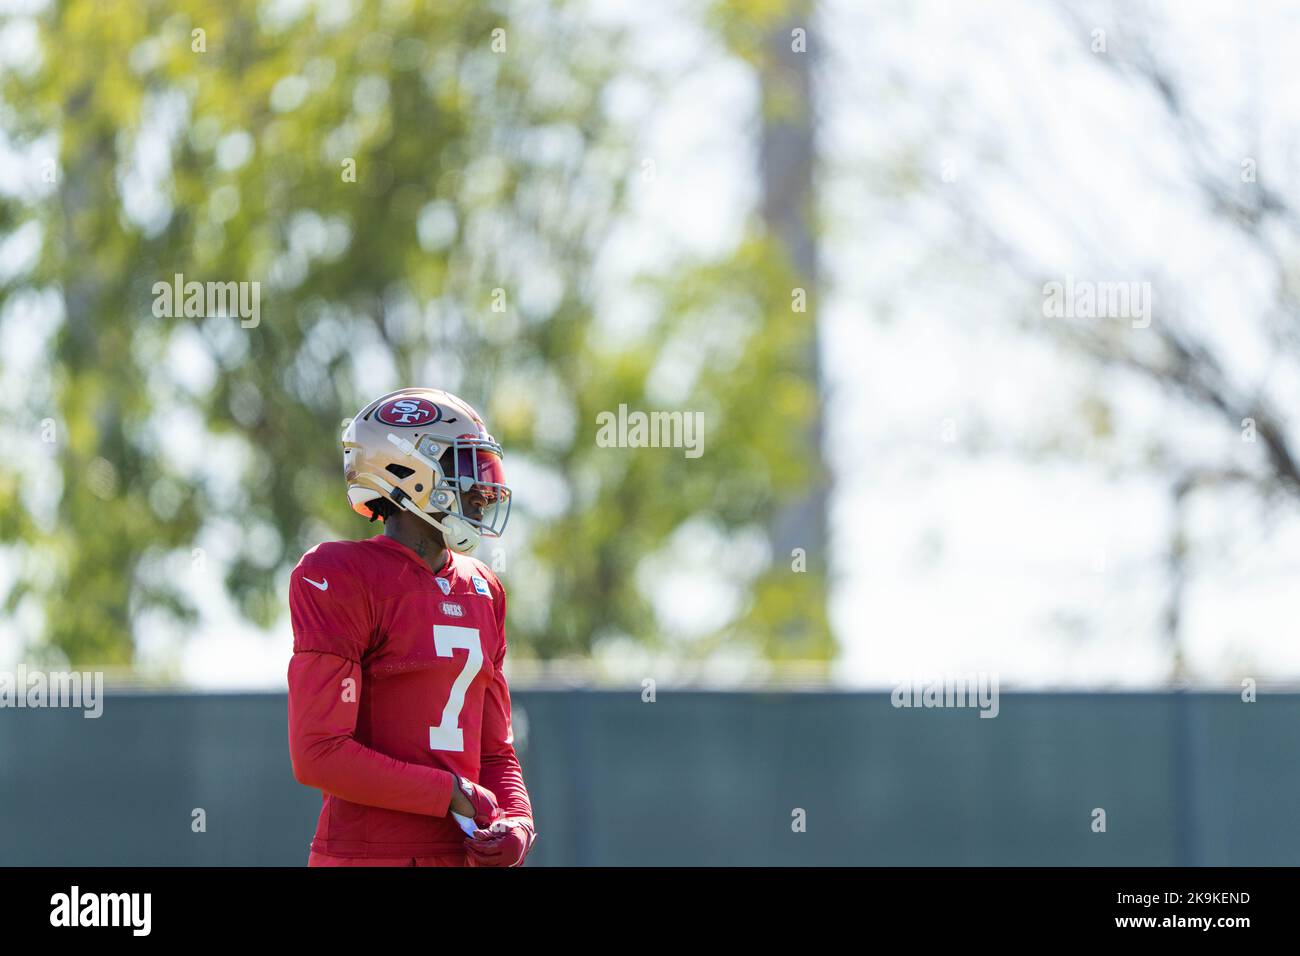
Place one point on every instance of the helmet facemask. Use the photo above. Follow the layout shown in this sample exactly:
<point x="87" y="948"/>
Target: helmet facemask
<point x="471" y="465"/>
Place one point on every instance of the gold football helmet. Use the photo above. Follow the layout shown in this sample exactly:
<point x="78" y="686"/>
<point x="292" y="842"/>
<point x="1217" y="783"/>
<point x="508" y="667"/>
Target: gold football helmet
<point x="428" y="452"/>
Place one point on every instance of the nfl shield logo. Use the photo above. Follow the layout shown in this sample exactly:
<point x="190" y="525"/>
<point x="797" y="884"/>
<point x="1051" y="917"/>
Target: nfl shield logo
<point x="444" y="585"/>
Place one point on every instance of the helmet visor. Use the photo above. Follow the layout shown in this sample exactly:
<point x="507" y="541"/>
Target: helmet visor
<point x="483" y="465"/>
<point x="479" y="479"/>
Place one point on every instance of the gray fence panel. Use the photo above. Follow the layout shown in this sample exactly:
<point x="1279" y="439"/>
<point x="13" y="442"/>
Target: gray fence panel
<point x="703" y="778"/>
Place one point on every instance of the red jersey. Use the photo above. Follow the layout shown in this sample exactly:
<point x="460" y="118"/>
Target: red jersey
<point x="396" y="684"/>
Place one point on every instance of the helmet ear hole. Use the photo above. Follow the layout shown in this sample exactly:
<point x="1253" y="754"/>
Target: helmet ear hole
<point x="381" y="509"/>
<point x="400" y="472"/>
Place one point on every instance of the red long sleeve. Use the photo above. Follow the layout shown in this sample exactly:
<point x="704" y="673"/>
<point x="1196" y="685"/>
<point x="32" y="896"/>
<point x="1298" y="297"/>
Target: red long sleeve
<point x="322" y="720"/>
<point x="500" y="771"/>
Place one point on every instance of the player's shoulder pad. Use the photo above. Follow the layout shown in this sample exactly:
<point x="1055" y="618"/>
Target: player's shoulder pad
<point x="343" y="556"/>
<point x="476" y="567"/>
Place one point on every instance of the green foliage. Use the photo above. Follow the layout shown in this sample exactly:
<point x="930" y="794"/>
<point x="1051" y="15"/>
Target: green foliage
<point x="476" y="169"/>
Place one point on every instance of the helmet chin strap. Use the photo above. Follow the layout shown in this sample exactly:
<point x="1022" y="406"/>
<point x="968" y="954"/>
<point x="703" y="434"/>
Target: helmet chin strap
<point x="457" y="533"/>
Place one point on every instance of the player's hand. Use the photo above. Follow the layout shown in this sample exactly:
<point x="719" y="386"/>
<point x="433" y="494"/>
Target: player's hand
<point x="504" y="843"/>
<point x="478" y="803"/>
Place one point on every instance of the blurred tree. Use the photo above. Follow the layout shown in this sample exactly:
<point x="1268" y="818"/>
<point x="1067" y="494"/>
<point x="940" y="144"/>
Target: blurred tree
<point x="1183" y="360"/>
<point x="774" y="39"/>
<point x="1199" y="373"/>
<point x="420" y="190"/>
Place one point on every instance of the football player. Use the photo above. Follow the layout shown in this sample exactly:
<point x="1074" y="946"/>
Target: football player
<point x="398" y="709"/>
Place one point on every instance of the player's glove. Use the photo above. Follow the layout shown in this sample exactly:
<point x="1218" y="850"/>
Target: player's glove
<point x="504" y="843"/>
<point x="484" y="800"/>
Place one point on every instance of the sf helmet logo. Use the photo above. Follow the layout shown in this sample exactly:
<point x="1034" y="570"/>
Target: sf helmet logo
<point x="409" y="411"/>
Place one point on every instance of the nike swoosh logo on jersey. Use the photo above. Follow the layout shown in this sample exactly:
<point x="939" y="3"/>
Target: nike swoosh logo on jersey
<point x="323" y="583"/>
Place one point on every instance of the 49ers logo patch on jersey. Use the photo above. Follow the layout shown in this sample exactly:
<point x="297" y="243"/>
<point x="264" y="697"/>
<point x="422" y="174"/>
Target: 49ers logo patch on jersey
<point x="452" y="610"/>
<point x="409" y="411"/>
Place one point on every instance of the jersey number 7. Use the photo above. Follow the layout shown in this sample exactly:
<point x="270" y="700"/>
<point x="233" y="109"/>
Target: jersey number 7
<point x="448" y="638"/>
